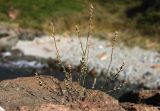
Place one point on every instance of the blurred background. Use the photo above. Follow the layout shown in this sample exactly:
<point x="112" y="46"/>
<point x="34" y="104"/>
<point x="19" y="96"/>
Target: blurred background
<point x="137" y="21"/>
<point x="25" y="47"/>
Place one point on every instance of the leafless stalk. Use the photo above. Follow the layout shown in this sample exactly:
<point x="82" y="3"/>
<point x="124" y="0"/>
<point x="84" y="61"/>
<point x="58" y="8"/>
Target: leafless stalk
<point x="89" y="28"/>
<point x="79" y="37"/>
<point x="112" y="50"/>
<point x="120" y="70"/>
<point x="86" y="52"/>
<point x="67" y="74"/>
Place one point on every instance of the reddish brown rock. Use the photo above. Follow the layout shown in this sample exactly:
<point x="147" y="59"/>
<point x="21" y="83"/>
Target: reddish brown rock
<point x="99" y="101"/>
<point x="139" y="107"/>
<point x="150" y="97"/>
<point x="49" y="94"/>
<point x="24" y="108"/>
<point x="52" y="107"/>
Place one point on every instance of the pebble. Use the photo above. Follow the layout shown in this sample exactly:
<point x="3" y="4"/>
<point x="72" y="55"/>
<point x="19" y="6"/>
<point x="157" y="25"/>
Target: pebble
<point x="1" y="109"/>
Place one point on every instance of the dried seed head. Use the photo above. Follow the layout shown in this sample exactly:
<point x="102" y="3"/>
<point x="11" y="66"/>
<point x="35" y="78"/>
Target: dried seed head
<point x="77" y="28"/>
<point x="52" y="26"/>
<point x="116" y="34"/>
<point x="91" y="6"/>
<point x="78" y="31"/>
<point x="53" y="30"/>
<point x="122" y="66"/>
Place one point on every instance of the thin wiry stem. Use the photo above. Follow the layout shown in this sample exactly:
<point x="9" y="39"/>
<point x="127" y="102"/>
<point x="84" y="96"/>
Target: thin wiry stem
<point x="79" y="37"/>
<point x="120" y="70"/>
<point x="115" y="76"/>
<point x="58" y="56"/>
<point x="86" y="52"/>
<point x="110" y="62"/>
<point x="90" y="28"/>
<point x="55" y="43"/>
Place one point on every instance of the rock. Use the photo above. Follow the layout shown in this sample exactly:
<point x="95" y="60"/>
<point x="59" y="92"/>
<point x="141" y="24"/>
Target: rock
<point x="27" y="34"/>
<point x="7" y="42"/>
<point x="24" y="108"/>
<point x="99" y="101"/>
<point x="8" y="38"/>
<point x="51" y="95"/>
<point x="10" y="34"/>
<point x="1" y="109"/>
<point x="150" y="97"/>
<point x="6" y="54"/>
<point x="139" y="107"/>
<point x="53" y="107"/>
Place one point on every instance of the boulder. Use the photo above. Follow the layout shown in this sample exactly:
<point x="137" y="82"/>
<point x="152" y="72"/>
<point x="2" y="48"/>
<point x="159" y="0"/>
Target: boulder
<point x="8" y="38"/>
<point x="139" y="107"/>
<point x="150" y="97"/>
<point x="29" y="94"/>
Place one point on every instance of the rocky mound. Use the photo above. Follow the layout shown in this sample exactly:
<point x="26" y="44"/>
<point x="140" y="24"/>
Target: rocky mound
<point x="49" y="94"/>
<point x="45" y="93"/>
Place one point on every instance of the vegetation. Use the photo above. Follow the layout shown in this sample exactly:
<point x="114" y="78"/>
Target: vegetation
<point x="110" y="79"/>
<point x="35" y="12"/>
<point x="137" y="19"/>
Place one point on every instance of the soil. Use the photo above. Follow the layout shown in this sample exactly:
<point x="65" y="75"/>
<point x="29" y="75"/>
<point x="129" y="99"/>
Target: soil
<point x="35" y="93"/>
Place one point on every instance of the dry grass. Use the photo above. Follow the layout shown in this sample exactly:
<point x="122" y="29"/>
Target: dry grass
<point x="67" y="69"/>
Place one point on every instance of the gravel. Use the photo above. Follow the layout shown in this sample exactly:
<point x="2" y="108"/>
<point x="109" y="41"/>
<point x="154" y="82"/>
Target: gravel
<point x="141" y="66"/>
